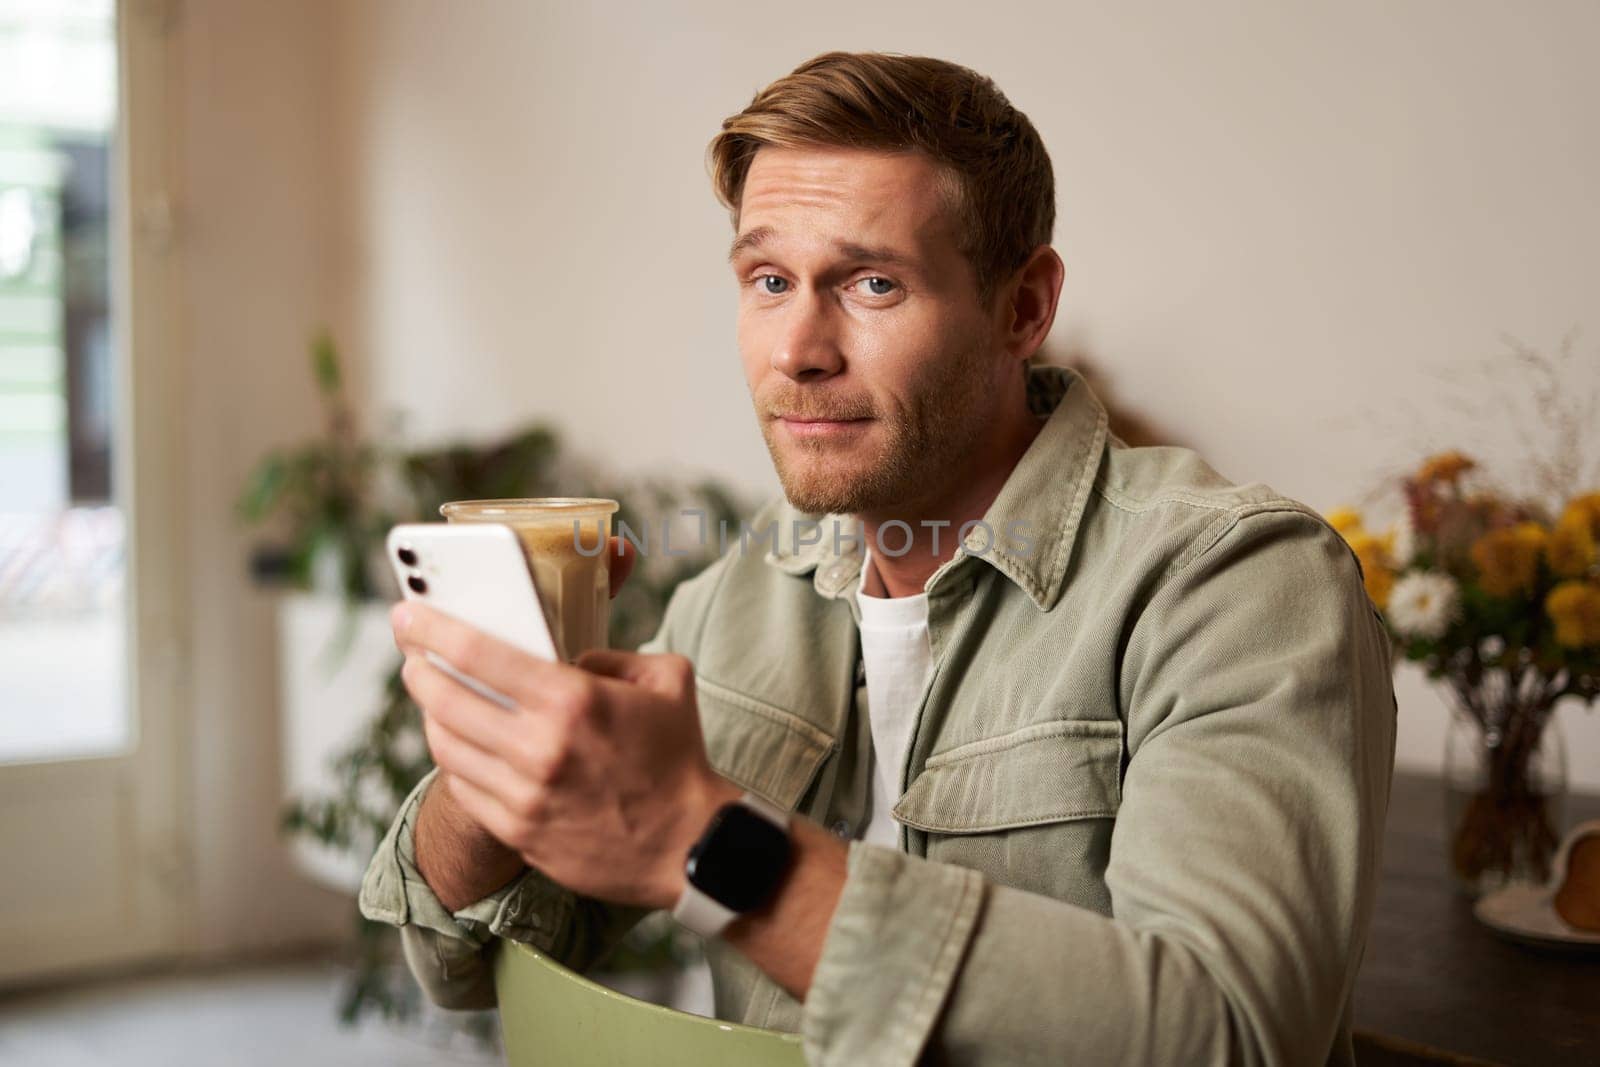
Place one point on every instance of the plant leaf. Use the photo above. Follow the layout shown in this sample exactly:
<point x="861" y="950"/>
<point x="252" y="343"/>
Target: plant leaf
<point x="325" y="364"/>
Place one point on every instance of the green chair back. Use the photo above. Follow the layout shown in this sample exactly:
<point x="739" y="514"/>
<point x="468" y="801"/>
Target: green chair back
<point x="551" y="1016"/>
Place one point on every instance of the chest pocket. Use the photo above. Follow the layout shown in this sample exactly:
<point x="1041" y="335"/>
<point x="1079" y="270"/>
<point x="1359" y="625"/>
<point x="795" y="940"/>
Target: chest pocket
<point x="758" y="745"/>
<point x="1032" y="809"/>
<point x="1043" y="773"/>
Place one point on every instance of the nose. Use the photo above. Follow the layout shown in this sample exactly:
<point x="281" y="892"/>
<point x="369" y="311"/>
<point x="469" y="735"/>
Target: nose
<point x="807" y="348"/>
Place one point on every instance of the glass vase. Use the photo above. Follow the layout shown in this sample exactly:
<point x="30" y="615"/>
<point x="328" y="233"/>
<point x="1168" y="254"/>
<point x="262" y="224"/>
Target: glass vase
<point x="1505" y="787"/>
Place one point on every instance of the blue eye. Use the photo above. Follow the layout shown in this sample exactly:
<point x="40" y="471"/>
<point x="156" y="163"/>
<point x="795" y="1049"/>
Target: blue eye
<point x="773" y="285"/>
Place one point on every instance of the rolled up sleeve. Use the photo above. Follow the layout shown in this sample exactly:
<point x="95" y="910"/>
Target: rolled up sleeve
<point x="449" y="952"/>
<point x="1260" y="715"/>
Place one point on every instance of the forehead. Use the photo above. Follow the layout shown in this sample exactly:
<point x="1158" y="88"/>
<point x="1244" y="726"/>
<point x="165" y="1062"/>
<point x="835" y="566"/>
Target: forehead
<point x="850" y="194"/>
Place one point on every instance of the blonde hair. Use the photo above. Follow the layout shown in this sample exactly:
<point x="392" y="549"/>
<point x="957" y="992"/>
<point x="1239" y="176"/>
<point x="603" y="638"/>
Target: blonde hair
<point x="997" y="172"/>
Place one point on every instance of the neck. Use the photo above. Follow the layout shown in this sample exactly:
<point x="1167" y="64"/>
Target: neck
<point x="936" y="523"/>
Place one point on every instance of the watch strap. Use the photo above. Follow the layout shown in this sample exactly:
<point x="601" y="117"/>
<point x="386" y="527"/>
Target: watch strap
<point x="704" y="914"/>
<point x="766" y="809"/>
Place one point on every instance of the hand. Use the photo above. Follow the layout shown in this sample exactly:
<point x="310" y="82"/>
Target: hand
<point x="460" y="860"/>
<point x="623" y="559"/>
<point x="598" y="777"/>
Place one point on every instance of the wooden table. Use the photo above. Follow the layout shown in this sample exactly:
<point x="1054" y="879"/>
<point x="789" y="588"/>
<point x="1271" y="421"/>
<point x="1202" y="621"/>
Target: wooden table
<point x="1439" y="987"/>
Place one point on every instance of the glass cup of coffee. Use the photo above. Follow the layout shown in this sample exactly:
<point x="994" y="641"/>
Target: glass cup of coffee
<point x="567" y="543"/>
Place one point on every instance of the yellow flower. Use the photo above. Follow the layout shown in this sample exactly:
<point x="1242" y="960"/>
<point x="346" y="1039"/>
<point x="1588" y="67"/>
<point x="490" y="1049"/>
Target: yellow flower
<point x="1379" y="581"/>
<point x="1376" y="575"/>
<point x="1586" y="510"/>
<point x="1345" y="520"/>
<point x="1575" y="607"/>
<point x="1570" y="550"/>
<point x="1367" y="544"/>
<point x="1531" y="534"/>
<point x="1508" y="558"/>
<point x="1444" y="467"/>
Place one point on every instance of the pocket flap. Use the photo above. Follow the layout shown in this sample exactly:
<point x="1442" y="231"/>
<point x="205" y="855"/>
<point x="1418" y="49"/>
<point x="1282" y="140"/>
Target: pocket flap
<point x="758" y="745"/>
<point x="1047" y="772"/>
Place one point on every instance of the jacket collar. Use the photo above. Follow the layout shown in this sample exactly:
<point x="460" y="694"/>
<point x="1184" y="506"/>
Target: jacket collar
<point x="1042" y="500"/>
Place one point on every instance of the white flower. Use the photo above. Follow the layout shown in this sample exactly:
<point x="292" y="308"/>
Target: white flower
<point x="1405" y="542"/>
<point x="1423" y="604"/>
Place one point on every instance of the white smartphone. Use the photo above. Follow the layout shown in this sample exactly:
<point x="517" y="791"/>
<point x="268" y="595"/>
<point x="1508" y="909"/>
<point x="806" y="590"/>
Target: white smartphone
<point x="475" y="573"/>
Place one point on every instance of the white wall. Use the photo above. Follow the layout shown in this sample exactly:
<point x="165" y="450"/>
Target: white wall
<point x="254" y="224"/>
<point x="1277" y="220"/>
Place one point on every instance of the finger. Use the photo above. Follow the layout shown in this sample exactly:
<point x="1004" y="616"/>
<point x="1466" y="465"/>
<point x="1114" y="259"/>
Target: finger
<point x="612" y="663"/>
<point x="485" y="724"/>
<point x="460" y="758"/>
<point x="663" y="673"/>
<point x="623" y="557"/>
<point x="505" y="668"/>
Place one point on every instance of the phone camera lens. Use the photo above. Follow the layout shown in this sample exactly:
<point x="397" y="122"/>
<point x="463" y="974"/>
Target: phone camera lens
<point x="408" y="557"/>
<point x="417" y="584"/>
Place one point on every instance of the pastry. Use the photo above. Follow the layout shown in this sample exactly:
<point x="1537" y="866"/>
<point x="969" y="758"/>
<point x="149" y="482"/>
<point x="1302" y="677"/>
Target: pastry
<point x="1577" y="901"/>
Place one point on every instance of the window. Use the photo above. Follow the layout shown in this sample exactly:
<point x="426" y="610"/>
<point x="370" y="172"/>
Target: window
<point x="62" y="560"/>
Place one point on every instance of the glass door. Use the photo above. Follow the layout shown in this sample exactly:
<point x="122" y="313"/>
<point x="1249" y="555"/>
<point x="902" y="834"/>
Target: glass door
<point x="88" y="825"/>
<point x="62" y="535"/>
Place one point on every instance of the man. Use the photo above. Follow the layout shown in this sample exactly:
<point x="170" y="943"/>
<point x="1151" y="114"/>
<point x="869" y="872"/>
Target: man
<point x="1087" y="749"/>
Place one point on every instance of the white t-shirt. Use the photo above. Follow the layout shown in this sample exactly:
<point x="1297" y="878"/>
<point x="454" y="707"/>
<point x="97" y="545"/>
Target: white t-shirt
<point x="898" y="657"/>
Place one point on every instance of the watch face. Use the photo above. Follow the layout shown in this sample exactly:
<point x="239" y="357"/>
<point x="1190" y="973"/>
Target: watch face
<point x="740" y="858"/>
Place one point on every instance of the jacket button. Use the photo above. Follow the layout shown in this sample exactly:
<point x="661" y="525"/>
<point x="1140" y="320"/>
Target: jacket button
<point x="841" y="828"/>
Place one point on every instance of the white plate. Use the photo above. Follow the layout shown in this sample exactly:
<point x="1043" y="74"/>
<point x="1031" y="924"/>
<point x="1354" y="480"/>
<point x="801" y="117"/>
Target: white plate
<point x="1527" y="913"/>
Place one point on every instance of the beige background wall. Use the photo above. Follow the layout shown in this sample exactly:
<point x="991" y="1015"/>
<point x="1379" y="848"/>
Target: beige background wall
<point x="1278" y="222"/>
<point x="255" y="224"/>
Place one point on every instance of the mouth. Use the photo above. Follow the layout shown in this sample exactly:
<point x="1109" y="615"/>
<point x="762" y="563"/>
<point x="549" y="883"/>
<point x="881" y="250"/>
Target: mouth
<point x="812" y="429"/>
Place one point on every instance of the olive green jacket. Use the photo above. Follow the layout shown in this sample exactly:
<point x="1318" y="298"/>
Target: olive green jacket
<point x="1145" y="790"/>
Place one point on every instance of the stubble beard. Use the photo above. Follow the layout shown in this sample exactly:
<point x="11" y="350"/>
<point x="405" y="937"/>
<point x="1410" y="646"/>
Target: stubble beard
<point x="922" y="446"/>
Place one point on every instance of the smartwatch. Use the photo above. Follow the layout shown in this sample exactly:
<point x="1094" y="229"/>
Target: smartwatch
<point x="735" y="866"/>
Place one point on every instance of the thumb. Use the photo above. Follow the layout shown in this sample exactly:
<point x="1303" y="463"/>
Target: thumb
<point x="612" y="663"/>
<point x="659" y="672"/>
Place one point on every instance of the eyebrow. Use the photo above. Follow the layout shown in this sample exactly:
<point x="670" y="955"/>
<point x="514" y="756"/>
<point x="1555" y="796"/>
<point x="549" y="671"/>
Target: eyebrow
<point x="754" y="239"/>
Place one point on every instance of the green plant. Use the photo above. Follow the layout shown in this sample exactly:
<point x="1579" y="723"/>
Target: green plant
<point x="328" y="499"/>
<point x="321" y="494"/>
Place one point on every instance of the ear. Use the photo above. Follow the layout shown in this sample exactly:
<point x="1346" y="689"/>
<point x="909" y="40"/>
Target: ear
<point x="1027" y="305"/>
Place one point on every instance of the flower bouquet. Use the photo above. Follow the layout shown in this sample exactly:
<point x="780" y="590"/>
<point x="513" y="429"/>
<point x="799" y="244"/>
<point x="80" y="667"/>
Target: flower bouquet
<point x="1500" y="599"/>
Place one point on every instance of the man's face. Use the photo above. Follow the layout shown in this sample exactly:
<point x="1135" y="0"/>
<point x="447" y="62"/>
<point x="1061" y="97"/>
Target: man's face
<point x="871" y="363"/>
